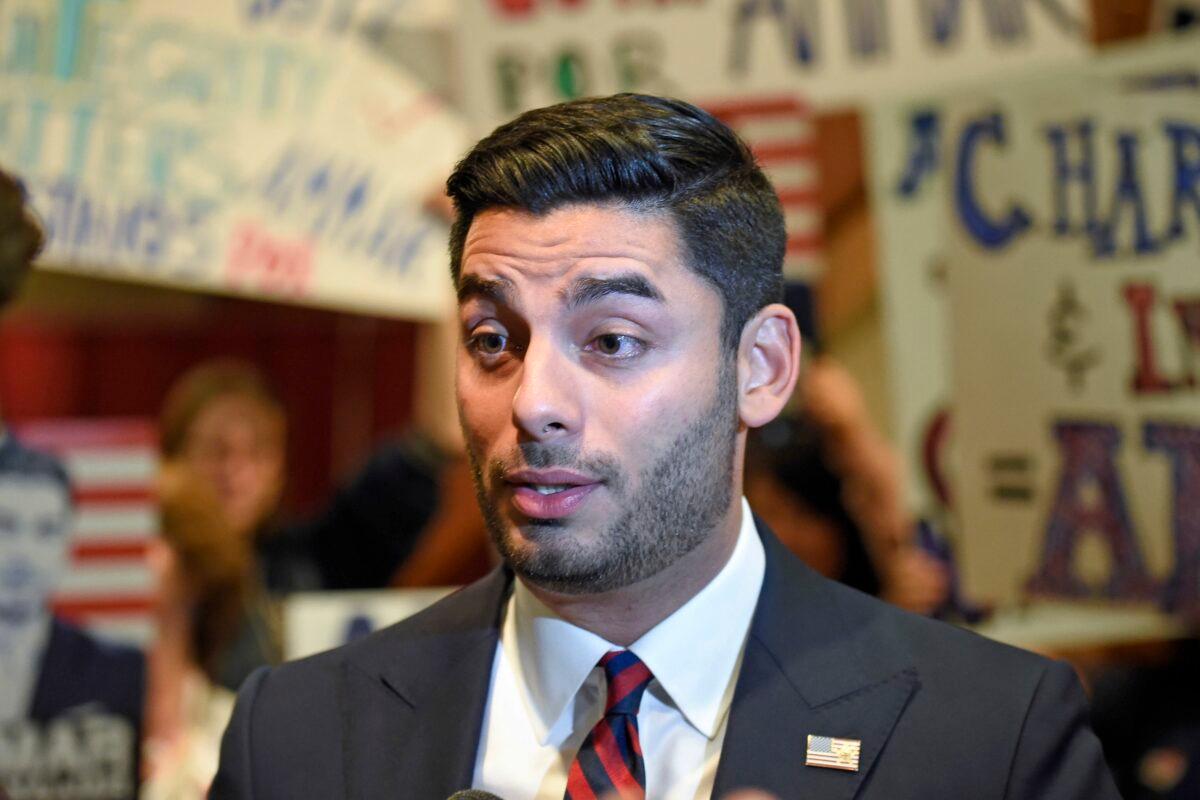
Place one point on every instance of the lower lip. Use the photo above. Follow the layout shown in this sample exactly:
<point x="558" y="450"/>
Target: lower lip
<point x="533" y="504"/>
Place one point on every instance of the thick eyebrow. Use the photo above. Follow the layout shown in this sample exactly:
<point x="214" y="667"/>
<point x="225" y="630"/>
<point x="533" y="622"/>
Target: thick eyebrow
<point x="591" y="290"/>
<point x="498" y="290"/>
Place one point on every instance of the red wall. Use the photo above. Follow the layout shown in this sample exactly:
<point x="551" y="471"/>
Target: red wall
<point x="344" y="380"/>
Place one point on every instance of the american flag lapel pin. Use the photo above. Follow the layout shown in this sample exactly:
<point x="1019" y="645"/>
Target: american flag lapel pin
<point x="831" y="753"/>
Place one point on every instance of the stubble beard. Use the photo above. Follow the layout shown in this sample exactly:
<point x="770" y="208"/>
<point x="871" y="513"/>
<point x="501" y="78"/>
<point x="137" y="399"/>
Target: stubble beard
<point x="676" y="503"/>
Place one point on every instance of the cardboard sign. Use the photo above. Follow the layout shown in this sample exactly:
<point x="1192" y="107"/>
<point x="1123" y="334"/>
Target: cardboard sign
<point x="77" y="508"/>
<point x="909" y="173"/>
<point x="520" y="54"/>
<point x="254" y="148"/>
<point x="1073" y="214"/>
<point x="112" y="465"/>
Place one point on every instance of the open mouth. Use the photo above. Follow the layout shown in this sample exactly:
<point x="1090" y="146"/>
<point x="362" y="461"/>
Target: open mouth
<point x="549" y="494"/>
<point x="542" y="488"/>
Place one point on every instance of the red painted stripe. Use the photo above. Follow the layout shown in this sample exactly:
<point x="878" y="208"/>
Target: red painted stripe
<point x="129" y="493"/>
<point x="101" y="549"/>
<point x="757" y="107"/>
<point x="578" y="787"/>
<point x="609" y="753"/>
<point x="774" y="152"/>
<point x="118" y="605"/>
<point x="74" y="434"/>
<point x="798" y="197"/>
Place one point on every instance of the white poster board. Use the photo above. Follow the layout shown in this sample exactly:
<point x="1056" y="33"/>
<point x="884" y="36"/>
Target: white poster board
<point x="1074" y="237"/>
<point x="909" y="173"/>
<point x="255" y="148"/>
<point x="520" y="54"/>
<point x="318" y="621"/>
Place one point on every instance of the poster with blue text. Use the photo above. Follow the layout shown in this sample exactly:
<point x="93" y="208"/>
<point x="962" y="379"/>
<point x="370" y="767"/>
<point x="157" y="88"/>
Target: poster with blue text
<point x="242" y="146"/>
<point x="1074" y="244"/>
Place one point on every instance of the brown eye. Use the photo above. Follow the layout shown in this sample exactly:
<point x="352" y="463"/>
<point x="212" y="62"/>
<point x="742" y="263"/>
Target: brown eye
<point x="609" y="344"/>
<point x="490" y="343"/>
<point x="616" y="346"/>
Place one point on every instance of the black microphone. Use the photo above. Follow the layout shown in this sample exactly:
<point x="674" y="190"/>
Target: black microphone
<point x="472" y="794"/>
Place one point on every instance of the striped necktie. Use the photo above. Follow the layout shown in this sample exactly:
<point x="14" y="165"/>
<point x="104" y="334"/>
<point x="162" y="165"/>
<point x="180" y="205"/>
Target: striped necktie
<point x="610" y="760"/>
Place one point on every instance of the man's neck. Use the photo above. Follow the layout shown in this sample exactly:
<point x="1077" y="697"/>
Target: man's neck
<point x="624" y="615"/>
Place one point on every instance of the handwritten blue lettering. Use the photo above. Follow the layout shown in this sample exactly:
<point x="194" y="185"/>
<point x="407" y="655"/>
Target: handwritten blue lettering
<point x="923" y="161"/>
<point x="990" y="233"/>
<point x="337" y="201"/>
<point x="1068" y="172"/>
<point x="1185" y="151"/>
<point x="140" y="235"/>
<point x="798" y="23"/>
<point x="1128" y="193"/>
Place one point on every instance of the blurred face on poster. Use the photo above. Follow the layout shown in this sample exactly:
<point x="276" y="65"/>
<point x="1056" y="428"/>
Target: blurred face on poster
<point x="237" y="445"/>
<point x="598" y="400"/>
<point x="35" y="517"/>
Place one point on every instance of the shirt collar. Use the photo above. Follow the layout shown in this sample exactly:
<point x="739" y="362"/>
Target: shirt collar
<point x="552" y="658"/>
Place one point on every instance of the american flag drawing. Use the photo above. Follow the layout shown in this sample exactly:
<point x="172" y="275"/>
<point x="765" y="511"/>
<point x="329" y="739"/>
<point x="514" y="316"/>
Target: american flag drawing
<point x="781" y="132"/>
<point x="113" y="465"/>
<point x="826" y="751"/>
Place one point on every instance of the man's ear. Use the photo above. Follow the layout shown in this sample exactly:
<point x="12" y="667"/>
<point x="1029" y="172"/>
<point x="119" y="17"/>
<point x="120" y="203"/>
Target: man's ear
<point x="768" y="364"/>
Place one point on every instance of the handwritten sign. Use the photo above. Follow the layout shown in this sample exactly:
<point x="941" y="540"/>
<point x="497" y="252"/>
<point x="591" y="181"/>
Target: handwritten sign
<point x="250" y="147"/>
<point x="1074" y="231"/>
<point x="520" y="54"/>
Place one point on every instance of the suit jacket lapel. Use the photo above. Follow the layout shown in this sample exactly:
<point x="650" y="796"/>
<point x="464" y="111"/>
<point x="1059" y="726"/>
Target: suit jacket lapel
<point x="416" y="697"/>
<point x="818" y="662"/>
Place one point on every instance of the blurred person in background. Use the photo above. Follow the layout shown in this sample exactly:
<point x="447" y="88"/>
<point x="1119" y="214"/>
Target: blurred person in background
<point x="829" y="484"/>
<point x="57" y="682"/>
<point x="1146" y="711"/>
<point x="400" y="521"/>
<point x="70" y="703"/>
<point x="224" y="424"/>
<point x="200" y="571"/>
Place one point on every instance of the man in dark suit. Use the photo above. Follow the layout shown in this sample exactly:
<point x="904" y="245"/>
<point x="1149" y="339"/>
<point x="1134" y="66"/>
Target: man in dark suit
<point x="618" y="267"/>
<point x="70" y="704"/>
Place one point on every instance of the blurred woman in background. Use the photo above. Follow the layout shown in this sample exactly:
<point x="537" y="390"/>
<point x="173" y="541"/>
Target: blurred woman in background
<point x="223" y="423"/>
<point x="200" y="570"/>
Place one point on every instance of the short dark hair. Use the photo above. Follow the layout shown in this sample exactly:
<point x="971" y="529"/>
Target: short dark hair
<point x="19" y="461"/>
<point x="648" y="154"/>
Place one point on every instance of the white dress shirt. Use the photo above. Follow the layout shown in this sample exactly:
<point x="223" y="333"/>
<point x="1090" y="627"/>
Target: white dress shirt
<point x="547" y="691"/>
<point x="21" y="649"/>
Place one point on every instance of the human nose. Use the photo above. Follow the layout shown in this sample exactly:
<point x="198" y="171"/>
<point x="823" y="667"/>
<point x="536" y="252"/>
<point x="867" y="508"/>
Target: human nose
<point x="545" y="406"/>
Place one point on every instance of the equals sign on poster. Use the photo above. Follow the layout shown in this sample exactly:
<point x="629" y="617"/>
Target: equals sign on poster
<point x="1011" y="477"/>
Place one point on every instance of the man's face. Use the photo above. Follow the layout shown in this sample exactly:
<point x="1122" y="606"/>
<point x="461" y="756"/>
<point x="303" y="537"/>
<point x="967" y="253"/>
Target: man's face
<point x="597" y="399"/>
<point x="35" y="516"/>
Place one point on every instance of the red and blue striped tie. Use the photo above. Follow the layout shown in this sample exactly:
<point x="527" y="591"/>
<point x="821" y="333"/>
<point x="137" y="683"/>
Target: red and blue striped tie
<point x="610" y="760"/>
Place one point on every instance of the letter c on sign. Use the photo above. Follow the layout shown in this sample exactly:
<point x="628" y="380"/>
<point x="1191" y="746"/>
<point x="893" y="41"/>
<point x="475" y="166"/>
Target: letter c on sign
<point x="991" y="233"/>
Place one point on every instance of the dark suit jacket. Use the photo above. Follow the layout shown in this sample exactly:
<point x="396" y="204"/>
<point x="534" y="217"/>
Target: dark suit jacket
<point x="942" y="714"/>
<point x="78" y="669"/>
<point x="79" y="674"/>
